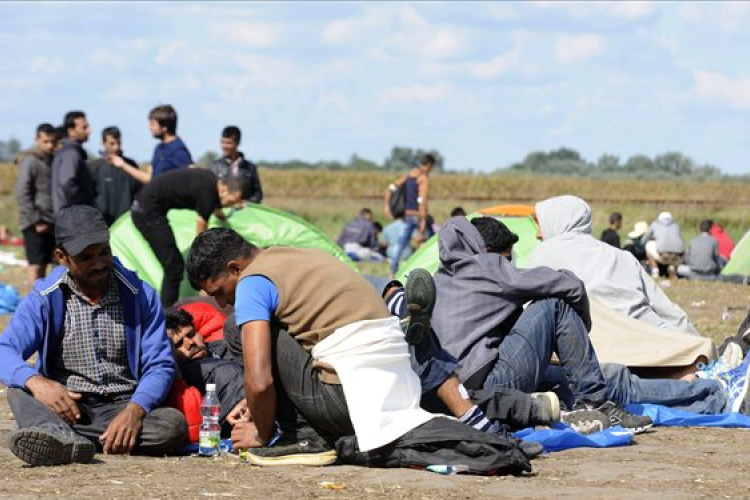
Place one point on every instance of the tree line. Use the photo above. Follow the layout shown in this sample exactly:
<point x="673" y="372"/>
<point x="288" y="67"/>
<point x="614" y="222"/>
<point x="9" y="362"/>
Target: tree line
<point x="569" y="162"/>
<point x="558" y="162"/>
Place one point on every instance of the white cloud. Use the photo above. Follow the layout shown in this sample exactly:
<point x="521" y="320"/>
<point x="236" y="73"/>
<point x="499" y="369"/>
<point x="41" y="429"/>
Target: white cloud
<point x="413" y="93"/>
<point x="397" y="31"/>
<point x="170" y="52"/>
<point x="352" y="29"/>
<point x="126" y="91"/>
<point x="335" y="101"/>
<point x="496" y="66"/>
<point x="731" y="18"/>
<point x="45" y="66"/>
<point x="735" y="92"/>
<point x="575" y="48"/>
<point x="254" y="34"/>
<point x="623" y="10"/>
<point x="630" y="10"/>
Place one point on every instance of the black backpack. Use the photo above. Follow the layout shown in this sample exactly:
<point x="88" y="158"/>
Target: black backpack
<point x="397" y="203"/>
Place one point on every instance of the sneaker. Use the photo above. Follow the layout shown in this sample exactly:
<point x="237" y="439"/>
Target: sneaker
<point x="545" y="408"/>
<point x="617" y="415"/>
<point x="314" y="452"/>
<point x="50" y="445"/>
<point x="729" y="359"/>
<point x="585" y="420"/>
<point x="420" y="297"/>
<point x="732" y="355"/>
<point x="736" y="383"/>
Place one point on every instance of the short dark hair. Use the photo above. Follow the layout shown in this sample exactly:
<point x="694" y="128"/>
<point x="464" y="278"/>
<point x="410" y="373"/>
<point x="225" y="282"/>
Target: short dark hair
<point x="46" y="129"/>
<point x="165" y="116"/>
<point x="378" y="226"/>
<point x="496" y="235"/>
<point x="615" y="217"/>
<point x="232" y="132"/>
<point x="112" y="132"/>
<point x="458" y="211"/>
<point x="69" y="121"/>
<point x="364" y="211"/>
<point x="212" y="250"/>
<point x="177" y="318"/>
<point x="239" y="183"/>
<point x="428" y="159"/>
<point x="60" y="133"/>
<point x="705" y="225"/>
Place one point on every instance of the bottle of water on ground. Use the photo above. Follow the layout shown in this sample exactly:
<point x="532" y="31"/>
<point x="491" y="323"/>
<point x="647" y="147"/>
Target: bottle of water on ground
<point x="210" y="432"/>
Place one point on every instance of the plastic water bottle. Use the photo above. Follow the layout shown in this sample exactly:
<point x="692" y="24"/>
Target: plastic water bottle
<point x="210" y="432"/>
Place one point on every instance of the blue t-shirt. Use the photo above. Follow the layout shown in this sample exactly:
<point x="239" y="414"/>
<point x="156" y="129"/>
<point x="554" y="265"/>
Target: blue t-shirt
<point x="170" y="156"/>
<point x="256" y="299"/>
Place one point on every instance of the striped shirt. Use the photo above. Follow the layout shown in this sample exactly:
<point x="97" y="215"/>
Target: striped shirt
<point x="92" y="356"/>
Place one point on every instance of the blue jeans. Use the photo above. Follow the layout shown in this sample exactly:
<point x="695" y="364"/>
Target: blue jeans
<point x="547" y="326"/>
<point x="412" y="222"/>
<point x="706" y="397"/>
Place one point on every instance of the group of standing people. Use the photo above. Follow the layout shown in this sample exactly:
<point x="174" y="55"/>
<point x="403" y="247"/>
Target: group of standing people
<point x="56" y="174"/>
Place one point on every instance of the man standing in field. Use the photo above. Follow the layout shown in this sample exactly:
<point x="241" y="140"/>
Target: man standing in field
<point x="72" y="183"/>
<point x="115" y="189"/>
<point x="170" y="154"/>
<point x="417" y="192"/>
<point x="233" y="163"/>
<point x="34" y="191"/>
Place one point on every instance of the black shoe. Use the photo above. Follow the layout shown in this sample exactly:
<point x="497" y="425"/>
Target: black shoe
<point x="50" y="445"/>
<point x="314" y="452"/>
<point x="617" y="415"/>
<point x="585" y="420"/>
<point x="420" y="295"/>
<point x="531" y="449"/>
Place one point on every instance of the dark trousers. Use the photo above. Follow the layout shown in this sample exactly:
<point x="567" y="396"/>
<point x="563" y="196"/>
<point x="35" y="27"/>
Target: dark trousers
<point x="164" y="429"/>
<point x="305" y="406"/>
<point x="157" y="232"/>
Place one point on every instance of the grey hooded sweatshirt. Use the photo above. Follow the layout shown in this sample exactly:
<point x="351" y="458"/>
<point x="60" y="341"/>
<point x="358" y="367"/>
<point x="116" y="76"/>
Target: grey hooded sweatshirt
<point x="612" y="276"/>
<point x="480" y="297"/>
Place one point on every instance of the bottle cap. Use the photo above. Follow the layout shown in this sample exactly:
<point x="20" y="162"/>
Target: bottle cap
<point x="210" y="387"/>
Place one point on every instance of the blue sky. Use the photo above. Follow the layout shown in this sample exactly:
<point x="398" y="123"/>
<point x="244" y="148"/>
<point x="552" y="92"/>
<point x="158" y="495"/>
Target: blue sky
<point x="484" y="83"/>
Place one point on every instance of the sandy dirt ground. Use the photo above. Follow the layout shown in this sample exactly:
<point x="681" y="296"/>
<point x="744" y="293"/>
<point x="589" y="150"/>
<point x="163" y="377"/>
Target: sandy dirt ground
<point x="665" y="464"/>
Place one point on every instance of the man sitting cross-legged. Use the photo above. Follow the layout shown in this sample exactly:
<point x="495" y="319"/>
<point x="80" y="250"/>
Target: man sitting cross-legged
<point x="104" y="363"/>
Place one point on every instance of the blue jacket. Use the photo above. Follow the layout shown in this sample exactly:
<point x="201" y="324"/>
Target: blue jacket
<point x="38" y="322"/>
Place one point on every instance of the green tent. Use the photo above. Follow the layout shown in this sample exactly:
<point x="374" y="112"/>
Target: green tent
<point x="427" y="255"/>
<point x="263" y="226"/>
<point x="739" y="264"/>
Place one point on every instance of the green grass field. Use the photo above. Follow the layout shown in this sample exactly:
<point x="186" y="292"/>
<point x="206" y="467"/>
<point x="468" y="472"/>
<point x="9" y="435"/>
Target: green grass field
<point x="328" y="199"/>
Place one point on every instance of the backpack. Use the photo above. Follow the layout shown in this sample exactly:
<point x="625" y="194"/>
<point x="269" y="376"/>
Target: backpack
<point x="397" y="203"/>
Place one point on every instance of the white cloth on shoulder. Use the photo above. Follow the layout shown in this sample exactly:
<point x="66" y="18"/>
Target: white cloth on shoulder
<point x="382" y="391"/>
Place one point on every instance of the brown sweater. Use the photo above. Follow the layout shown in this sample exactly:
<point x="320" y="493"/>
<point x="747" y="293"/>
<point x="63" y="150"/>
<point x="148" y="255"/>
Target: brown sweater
<point x="317" y="294"/>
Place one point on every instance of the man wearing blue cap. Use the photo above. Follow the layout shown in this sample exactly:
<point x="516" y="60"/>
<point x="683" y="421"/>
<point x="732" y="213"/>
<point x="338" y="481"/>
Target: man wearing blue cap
<point x="104" y="362"/>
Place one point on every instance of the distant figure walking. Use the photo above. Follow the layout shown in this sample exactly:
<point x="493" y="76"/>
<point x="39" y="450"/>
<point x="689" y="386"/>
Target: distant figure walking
<point x="417" y="193"/>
